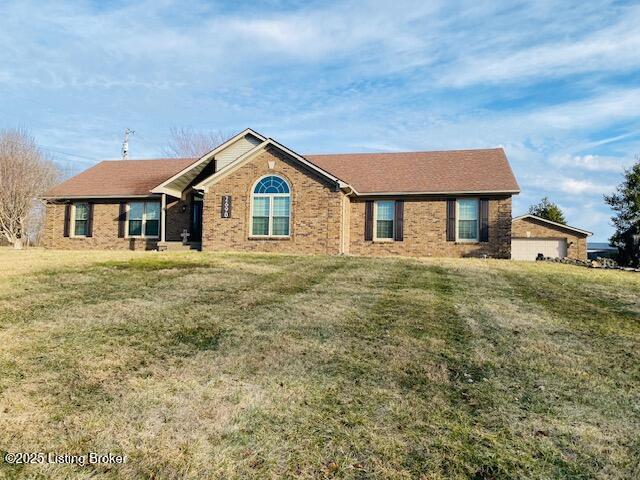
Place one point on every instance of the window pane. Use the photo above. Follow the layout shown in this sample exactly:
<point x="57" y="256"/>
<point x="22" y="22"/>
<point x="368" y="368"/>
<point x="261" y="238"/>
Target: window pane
<point x="280" y="206"/>
<point x="468" y="229"/>
<point x="260" y="226"/>
<point x="468" y="219"/>
<point x="468" y="209"/>
<point x="135" y="227"/>
<point x="281" y="215"/>
<point x="385" y="210"/>
<point x="271" y="184"/>
<point x="384" y="229"/>
<point x="261" y="206"/>
<point x="81" y="228"/>
<point x="280" y="226"/>
<point x="82" y="211"/>
<point x="135" y="210"/>
<point x="152" y="210"/>
<point x="260" y="216"/>
<point x="151" y="228"/>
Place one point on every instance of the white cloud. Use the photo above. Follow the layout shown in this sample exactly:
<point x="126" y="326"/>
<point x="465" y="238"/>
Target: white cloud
<point x="553" y="181"/>
<point x="613" y="48"/>
<point x="572" y="185"/>
<point x="608" y="106"/>
<point x="593" y="163"/>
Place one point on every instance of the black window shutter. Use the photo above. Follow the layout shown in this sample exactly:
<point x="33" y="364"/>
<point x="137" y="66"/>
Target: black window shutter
<point x="90" y="221"/>
<point x="160" y="225"/>
<point x="484" y="220"/>
<point x="122" y="217"/>
<point x="67" y="219"/>
<point x="451" y="220"/>
<point x="368" y="220"/>
<point x="398" y="233"/>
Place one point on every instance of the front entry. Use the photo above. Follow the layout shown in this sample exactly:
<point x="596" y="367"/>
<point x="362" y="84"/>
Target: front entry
<point x="196" y="220"/>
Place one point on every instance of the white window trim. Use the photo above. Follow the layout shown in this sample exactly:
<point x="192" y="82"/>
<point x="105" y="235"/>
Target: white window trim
<point x="375" y="222"/>
<point x="72" y="221"/>
<point x="468" y="240"/>
<point x="144" y="220"/>
<point x="270" y="196"/>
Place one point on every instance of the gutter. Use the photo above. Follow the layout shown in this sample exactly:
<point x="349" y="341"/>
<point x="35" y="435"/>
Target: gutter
<point x="455" y="192"/>
<point x="81" y="197"/>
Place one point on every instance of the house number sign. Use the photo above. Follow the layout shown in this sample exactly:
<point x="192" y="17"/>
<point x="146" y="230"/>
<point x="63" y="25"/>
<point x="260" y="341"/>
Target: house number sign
<point x="226" y="206"/>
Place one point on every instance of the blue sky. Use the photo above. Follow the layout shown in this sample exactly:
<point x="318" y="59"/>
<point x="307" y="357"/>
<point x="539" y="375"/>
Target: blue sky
<point x="557" y="84"/>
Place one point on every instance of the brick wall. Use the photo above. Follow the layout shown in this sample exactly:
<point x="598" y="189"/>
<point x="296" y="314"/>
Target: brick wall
<point x="531" y="228"/>
<point x="425" y="231"/>
<point x="316" y="210"/>
<point x="323" y="220"/>
<point x="105" y="228"/>
<point x="177" y="220"/>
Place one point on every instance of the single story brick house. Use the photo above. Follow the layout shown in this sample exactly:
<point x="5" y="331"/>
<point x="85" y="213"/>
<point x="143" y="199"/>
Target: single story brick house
<point x="532" y="235"/>
<point x="252" y="193"/>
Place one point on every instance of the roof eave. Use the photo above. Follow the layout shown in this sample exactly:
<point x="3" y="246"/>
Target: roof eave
<point x="88" y="197"/>
<point x="444" y="192"/>
<point x="567" y="227"/>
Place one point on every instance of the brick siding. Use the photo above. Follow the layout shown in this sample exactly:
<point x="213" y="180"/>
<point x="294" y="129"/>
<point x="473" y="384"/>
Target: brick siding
<point x="425" y="231"/>
<point x="316" y="209"/>
<point x="105" y="228"/>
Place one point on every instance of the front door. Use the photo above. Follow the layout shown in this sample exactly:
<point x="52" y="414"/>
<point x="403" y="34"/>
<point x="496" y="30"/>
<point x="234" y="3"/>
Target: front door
<point x="196" y="221"/>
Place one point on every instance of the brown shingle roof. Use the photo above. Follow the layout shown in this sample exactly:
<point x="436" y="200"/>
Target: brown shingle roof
<point x="454" y="171"/>
<point x="451" y="171"/>
<point x="120" y="178"/>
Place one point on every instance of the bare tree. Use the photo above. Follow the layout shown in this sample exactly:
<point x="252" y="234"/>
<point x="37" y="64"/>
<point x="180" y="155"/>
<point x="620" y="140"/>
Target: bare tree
<point x="25" y="174"/>
<point x="184" y="142"/>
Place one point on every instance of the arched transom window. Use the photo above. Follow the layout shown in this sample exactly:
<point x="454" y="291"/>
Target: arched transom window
<point x="271" y="200"/>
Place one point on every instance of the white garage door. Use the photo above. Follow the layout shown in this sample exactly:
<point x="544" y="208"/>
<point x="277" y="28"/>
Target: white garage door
<point x="529" y="248"/>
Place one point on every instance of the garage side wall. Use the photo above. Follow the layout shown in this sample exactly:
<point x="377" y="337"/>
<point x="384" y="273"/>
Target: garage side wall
<point x="531" y="228"/>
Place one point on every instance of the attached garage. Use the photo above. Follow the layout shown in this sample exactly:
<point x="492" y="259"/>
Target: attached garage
<point x="531" y="235"/>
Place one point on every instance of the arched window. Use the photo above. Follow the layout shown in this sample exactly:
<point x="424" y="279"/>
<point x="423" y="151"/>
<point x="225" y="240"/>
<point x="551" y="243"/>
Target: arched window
<point x="271" y="200"/>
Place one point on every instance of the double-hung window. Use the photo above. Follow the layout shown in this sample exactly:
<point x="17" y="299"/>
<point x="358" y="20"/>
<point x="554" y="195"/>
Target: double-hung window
<point x="467" y="219"/>
<point x="384" y="215"/>
<point x="271" y="208"/>
<point x="80" y="219"/>
<point x="143" y="219"/>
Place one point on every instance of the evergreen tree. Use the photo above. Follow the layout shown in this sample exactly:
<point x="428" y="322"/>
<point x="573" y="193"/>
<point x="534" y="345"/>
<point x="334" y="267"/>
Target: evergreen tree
<point x="548" y="210"/>
<point x="626" y="203"/>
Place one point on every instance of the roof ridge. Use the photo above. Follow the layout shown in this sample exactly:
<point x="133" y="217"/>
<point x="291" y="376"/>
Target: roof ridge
<point x="403" y="152"/>
<point x="148" y="159"/>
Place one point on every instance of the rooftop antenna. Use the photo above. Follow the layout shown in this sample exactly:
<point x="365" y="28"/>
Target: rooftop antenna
<point x="125" y="144"/>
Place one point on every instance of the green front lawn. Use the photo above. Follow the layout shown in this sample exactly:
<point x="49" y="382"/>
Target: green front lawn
<point x="200" y="365"/>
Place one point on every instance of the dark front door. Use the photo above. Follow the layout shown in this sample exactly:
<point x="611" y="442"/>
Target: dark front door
<point x="196" y="222"/>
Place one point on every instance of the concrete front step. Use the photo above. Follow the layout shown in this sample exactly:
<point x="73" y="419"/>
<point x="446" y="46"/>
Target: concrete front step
<point x="178" y="246"/>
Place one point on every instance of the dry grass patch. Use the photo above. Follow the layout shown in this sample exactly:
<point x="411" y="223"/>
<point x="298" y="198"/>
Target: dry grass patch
<point x="263" y="366"/>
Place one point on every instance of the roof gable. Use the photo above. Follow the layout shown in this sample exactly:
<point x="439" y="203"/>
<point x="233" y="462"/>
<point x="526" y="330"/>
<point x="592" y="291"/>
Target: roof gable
<point x="228" y="151"/>
<point x="549" y="222"/>
<point x="268" y="143"/>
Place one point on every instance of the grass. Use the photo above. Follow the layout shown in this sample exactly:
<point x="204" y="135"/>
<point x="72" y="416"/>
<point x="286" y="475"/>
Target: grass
<point x="202" y="365"/>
